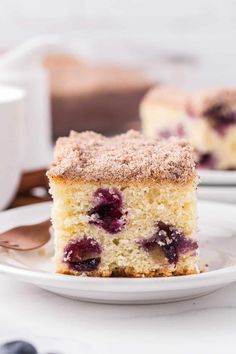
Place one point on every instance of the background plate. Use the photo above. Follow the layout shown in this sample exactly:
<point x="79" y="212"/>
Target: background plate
<point x="210" y="177"/>
<point x="225" y="194"/>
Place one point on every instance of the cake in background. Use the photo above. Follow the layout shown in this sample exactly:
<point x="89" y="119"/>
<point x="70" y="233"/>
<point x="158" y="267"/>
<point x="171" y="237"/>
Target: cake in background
<point x="206" y="118"/>
<point x="100" y="97"/>
<point x="124" y="206"/>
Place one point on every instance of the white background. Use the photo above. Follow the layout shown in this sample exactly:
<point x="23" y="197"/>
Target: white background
<point x="203" y="29"/>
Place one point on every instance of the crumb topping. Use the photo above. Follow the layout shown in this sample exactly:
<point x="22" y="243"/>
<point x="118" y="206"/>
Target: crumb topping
<point x="203" y="101"/>
<point x="130" y="156"/>
<point x="196" y="103"/>
<point x="166" y="95"/>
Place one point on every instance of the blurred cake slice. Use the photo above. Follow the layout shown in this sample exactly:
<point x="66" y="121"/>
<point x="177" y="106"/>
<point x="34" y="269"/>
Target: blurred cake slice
<point x="206" y="118"/>
<point x="124" y="206"/>
<point x="101" y="97"/>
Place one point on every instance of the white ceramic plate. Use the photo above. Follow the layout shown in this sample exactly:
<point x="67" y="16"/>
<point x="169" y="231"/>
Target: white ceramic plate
<point x="218" y="249"/>
<point x="225" y="194"/>
<point x="223" y="178"/>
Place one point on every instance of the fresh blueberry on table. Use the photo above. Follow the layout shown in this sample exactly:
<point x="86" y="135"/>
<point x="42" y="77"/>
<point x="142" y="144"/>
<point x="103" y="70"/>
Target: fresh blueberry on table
<point x="17" y="347"/>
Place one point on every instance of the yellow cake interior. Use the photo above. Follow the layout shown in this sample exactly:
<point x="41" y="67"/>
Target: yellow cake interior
<point x="158" y="117"/>
<point x="144" y="203"/>
<point x="206" y="140"/>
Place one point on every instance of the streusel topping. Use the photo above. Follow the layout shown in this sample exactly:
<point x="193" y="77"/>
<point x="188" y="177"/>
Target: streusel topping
<point x="196" y="103"/>
<point x="128" y="157"/>
<point x="202" y="101"/>
<point x="167" y="95"/>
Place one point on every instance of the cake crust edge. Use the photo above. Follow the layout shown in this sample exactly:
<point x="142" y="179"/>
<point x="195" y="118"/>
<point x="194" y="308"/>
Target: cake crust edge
<point x="128" y="273"/>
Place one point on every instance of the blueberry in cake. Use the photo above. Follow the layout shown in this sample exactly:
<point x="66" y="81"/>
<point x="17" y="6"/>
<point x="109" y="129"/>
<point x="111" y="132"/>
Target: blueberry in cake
<point x="206" y="118"/>
<point x="124" y="206"/>
<point x="17" y="347"/>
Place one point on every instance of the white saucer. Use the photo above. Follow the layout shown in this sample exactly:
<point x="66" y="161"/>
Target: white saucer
<point x="226" y="194"/>
<point x="223" y="178"/>
<point x="218" y="249"/>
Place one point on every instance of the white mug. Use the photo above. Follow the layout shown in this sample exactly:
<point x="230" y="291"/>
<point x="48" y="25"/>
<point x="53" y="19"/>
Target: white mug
<point x="22" y="67"/>
<point x="12" y="125"/>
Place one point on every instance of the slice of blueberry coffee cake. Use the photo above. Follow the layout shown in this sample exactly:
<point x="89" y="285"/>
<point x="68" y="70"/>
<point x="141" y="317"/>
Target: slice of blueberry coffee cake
<point x="124" y="206"/>
<point x="206" y="118"/>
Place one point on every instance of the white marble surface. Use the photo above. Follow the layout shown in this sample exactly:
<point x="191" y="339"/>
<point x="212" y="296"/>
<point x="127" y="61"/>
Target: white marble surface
<point x="199" y="326"/>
